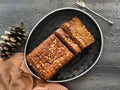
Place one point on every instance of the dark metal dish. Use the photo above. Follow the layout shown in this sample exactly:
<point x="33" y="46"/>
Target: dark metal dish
<point x="85" y="60"/>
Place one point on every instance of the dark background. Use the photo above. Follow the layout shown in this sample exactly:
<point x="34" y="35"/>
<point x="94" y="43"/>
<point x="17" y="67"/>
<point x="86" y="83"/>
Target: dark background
<point x="106" y="73"/>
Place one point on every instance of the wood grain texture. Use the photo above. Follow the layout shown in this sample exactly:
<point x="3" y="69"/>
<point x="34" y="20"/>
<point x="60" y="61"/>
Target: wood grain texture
<point x="106" y="74"/>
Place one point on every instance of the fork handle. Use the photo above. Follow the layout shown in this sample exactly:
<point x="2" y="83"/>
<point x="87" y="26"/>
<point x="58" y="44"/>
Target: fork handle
<point x="110" y="22"/>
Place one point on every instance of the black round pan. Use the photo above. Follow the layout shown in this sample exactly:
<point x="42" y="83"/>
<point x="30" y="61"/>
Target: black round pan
<point x="82" y="63"/>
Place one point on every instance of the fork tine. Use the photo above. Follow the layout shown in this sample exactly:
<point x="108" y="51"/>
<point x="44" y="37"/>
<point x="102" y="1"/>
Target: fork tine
<point x="80" y="3"/>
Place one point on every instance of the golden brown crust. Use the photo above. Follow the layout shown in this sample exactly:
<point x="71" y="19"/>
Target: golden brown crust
<point x="49" y="57"/>
<point x="68" y="41"/>
<point x="68" y="28"/>
<point x="82" y="30"/>
<point x="77" y="30"/>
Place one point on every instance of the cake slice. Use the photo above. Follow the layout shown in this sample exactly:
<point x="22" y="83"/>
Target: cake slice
<point x="65" y="38"/>
<point x="68" y="28"/>
<point x="80" y="28"/>
<point x="49" y="57"/>
<point x="78" y="32"/>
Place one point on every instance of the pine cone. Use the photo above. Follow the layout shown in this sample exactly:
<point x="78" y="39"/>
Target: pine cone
<point x="12" y="40"/>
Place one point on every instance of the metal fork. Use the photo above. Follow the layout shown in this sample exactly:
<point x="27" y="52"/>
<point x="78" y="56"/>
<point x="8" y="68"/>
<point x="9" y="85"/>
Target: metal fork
<point x="81" y="3"/>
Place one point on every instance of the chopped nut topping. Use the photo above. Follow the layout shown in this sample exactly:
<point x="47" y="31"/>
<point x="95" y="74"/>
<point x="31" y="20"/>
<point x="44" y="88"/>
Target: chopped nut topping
<point x="38" y="66"/>
<point x="50" y="49"/>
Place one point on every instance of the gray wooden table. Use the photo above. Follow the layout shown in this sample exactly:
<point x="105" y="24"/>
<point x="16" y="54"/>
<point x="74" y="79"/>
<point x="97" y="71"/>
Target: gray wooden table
<point x="106" y="74"/>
